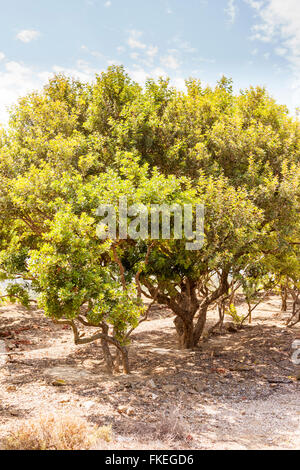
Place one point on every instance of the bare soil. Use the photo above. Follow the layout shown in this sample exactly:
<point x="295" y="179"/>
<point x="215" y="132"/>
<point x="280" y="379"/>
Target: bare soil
<point x="236" y="391"/>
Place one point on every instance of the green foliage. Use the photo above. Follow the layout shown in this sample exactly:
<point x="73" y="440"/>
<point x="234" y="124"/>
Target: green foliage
<point x="18" y="293"/>
<point x="74" y="146"/>
<point x="72" y="268"/>
<point x="233" y="313"/>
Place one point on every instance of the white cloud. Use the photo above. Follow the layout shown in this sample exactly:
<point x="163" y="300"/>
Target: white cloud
<point x="113" y="62"/>
<point x="107" y="4"/>
<point x="140" y="75"/>
<point x="186" y="47"/>
<point x="2" y="55"/>
<point x="206" y="60"/>
<point x="134" y="55"/>
<point x="82" y="64"/>
<point x="279" y="24"/>
<point x="170" y="62"/>
<point x="146" y="53"/>
<point x="178" y="82"/>
<point x="231" y="11"/>
<point x="133" y="40"/>
<point x="182" y="44"/>
<point x="281" y="51"/>
<point x="255" y="4"/>
<point x="152" y="51"/>
<point x="82" y="71"/>
<point x="28" y="35"/>
<point x="91" y="52"/>
<point x="18" y="79"/>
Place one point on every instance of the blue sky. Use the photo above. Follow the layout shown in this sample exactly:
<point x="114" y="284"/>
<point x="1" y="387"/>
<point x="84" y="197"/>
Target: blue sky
<point x="256" y="42"/>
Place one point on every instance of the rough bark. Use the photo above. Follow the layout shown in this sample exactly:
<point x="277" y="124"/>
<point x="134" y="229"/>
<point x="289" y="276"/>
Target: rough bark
<point x="185" y="306"/>
<point x="200" y="325"/>
<point x="284" y="296"/>
<point x="295" y="318"/>
<point x="185" y="332"/>
<point x="125" y="360"/>
<point x="107" y="357"/>
<point x="106" y="352"/>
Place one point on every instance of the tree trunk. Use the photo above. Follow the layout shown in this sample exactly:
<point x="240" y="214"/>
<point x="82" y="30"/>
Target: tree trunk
<point x="117" y="361"/>
<point x="199" y="328"/>
<point x="220" y="322"/>
<point x="185" y="331"/>
<point x="188" y="334"/>
<point x="125" y="360"/>
<point x="249" y="312"/>
<point x="284" y="296"/>
<point x="107" y="356"/>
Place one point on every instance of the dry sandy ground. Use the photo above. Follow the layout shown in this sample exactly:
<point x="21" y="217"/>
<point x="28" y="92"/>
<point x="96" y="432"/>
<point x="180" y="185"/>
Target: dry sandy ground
<point x="235" y="391"/>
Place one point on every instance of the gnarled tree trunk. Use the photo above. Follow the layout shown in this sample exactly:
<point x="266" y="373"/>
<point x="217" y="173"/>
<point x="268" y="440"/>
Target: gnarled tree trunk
<point x="106" y="352"/>
<point x="185" y="332"/>
<point x="200" y="325"/>
<point x="185" y="304"/>
<point x="284" y="297"/>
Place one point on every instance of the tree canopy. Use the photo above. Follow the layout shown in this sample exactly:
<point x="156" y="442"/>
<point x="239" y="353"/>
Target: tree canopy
<point x="74" y="146"/>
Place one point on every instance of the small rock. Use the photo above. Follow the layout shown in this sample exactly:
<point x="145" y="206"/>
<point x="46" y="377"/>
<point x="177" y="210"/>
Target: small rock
<point x="169" y="388"/>
<point x="121" y="409"/>
<point x="128" y="385"/>
<point x="130" y="411"/>
<point x="200" y="388"/>
<point x="127" y="410"/>
<point x="243" y="368"/>
<point x="151" y="383"/>
<point x="88" y="405"/>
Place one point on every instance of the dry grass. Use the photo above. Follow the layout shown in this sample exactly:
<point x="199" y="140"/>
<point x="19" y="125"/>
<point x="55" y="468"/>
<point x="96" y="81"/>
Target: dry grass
<point x="170" y="431"/>
<point x="55" y="432"/>
<point x="172" y="426"/>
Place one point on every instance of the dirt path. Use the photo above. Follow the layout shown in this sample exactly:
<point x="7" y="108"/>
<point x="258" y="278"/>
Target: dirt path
<point x="235" y="392"/>
<point x="264" y="424"/>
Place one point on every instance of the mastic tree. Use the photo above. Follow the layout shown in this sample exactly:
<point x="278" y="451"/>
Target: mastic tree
<point x="72" y="147"/>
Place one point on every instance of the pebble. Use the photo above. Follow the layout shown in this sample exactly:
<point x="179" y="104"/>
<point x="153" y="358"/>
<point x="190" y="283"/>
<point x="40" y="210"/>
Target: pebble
<point x="169" y="388"/>
<point x="124" y="409"/>
<point x="151" y="383"/>
<point x="89" y="404"/>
